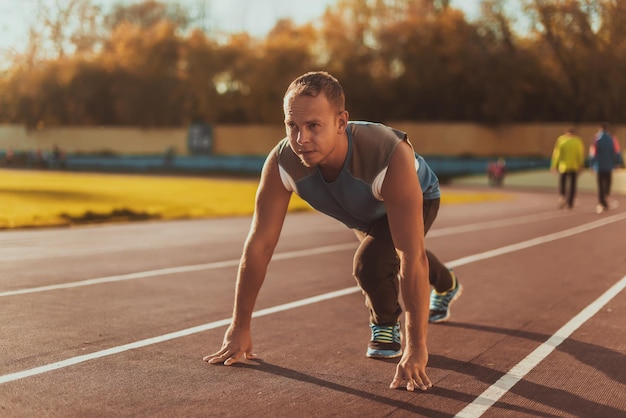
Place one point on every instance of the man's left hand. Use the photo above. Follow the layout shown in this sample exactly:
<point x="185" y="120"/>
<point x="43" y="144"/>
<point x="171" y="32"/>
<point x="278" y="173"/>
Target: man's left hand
<point x="412" y="370"/>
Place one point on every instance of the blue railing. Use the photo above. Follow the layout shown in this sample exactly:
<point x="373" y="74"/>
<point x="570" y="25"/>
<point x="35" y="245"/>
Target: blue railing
<point x="444" y="166"/>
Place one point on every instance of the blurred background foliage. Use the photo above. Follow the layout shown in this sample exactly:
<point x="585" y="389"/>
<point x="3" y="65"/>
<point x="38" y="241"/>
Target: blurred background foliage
<point x="152" y="64"/>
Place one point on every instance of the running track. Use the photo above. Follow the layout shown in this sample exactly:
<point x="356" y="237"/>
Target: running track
<point x="114" y="320"/>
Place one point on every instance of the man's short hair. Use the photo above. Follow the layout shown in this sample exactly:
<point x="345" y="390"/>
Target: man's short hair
<point x="316" y="82"/>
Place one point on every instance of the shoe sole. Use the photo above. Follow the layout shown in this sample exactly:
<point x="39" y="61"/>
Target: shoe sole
<point x="447" y="317"/>
<point x="382" y="356"/>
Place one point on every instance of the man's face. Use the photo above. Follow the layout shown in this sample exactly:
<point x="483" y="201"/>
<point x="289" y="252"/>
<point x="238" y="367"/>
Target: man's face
<point x="314" y="127"/>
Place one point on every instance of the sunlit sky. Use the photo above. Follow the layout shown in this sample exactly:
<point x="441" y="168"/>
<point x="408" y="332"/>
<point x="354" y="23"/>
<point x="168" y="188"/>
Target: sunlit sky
<point x="256" y="17"/>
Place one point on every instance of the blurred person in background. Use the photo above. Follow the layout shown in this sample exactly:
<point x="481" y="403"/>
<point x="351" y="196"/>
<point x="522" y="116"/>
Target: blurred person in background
<point x="568" y="160"/>
<point x="605" y="155"/>
<point x="367" y="176"/>
<point x="8" y="157"/>
<point x="496" y="172"/>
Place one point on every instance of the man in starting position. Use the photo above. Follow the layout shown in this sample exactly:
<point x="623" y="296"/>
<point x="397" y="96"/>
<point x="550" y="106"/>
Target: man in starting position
<point x="367" y="176"/>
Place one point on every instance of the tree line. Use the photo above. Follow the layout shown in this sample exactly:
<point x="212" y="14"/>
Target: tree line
<point x="151" y="64"/>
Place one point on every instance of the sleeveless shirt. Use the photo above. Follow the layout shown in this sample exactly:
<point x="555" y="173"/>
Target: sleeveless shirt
<point x="354" y="197"/>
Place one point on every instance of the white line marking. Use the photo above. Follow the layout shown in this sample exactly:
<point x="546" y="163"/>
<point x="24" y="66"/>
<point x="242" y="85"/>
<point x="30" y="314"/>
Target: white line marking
<point x="327" y="296"/>
<point x="490" y="396"/>
<point x="536" y="241"/>
<point x="171" y="336"/>
<point x="175" y="270"/>
<point x="122" y="277"/>
<point x="480" y="226"/>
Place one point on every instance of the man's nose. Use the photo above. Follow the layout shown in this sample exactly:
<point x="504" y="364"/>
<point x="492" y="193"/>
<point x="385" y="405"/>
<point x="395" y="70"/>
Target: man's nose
<point x="302" y="138"/>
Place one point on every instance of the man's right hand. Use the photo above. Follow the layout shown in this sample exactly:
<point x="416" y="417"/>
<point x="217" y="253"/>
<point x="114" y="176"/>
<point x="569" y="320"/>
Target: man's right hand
<point x="237" y="343"/>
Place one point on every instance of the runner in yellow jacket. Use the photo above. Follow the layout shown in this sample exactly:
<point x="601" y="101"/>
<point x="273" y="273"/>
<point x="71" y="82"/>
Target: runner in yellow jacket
<point x="568" y="159"/>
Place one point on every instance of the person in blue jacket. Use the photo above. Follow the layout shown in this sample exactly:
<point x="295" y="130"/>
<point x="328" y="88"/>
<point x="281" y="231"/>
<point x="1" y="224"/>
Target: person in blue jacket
<point x="605" y="156"/>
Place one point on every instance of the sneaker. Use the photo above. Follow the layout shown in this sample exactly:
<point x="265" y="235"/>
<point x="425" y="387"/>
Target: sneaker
<point x="613" y="204"/>
<point x="440" y="302"/>
<point x="562" y="202"/>
<point x="600" y="209"/>
<point x="385" y="342"/>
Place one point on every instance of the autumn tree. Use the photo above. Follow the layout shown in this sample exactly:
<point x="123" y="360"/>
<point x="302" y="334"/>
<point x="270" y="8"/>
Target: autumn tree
<point x="199" y="71"/>
<point x="286" y="52"/>
<point x="145" y="64"/>
<point x="350" y="43"/>
<point x="146" y="14"/>
<point x="575" y="56"/>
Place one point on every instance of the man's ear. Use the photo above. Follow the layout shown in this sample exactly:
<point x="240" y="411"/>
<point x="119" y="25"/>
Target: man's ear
<point x="342" y="121"/>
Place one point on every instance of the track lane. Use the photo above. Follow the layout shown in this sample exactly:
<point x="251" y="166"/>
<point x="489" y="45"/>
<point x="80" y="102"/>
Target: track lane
<point x="299" y="370"/>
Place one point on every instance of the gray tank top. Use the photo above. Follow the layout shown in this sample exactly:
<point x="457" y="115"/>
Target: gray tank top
<point x="354" y="198"/>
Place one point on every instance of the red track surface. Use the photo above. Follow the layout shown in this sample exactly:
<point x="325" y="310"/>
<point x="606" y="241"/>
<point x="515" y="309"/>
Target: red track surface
<point x="109" y="347"/>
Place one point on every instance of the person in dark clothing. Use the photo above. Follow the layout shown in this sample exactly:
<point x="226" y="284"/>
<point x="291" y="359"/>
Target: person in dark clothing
<point x="605" y="156"/>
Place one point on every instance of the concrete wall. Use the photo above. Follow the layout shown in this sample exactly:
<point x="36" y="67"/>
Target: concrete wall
<point x="427" y="138"/>
<point x="90" y="140"/>
<point x="244" y="140"/>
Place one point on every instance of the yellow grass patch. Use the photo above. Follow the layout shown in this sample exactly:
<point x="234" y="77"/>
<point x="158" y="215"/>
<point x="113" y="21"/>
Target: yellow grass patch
<point x="457" y="197"/>
<point x="41" y="198"/>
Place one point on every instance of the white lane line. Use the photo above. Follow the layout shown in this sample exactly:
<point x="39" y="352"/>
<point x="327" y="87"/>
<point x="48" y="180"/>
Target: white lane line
<point x="171" y="336"/>
<point x="174" y="270"/>
<point x="536" y="241"/>
<point x="480" y="226"/>
<point x="490" y="396"/>
<point x="291" y="305"/>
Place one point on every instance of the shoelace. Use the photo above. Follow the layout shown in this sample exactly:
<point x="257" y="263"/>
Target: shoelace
<point x="439" y="302"/>
<point x="385" y="334"/>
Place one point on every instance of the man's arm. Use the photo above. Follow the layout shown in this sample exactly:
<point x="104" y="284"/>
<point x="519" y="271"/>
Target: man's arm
<point x="403" y="199"/>
<point x="619" y="160"/>
<point x="271" y="204"/>
<point x="556" y="155"/>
